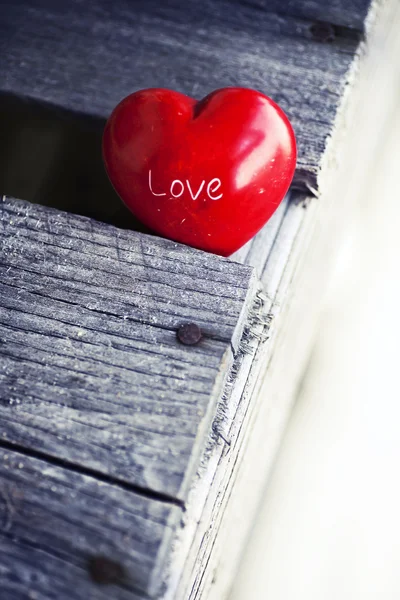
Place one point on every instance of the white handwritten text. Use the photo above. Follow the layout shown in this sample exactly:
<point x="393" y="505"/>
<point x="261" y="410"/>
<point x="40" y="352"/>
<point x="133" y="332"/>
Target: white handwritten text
<point x="177" y="188"/>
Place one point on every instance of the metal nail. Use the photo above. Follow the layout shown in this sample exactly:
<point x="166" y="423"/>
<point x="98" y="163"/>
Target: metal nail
<point x="105" y="571"/>
<point x="189" y="334"/>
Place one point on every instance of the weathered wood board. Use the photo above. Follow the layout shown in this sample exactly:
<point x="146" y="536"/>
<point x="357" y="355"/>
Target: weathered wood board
<point x="115" y="48"/>
<point x="92" y="371"/>
<point x="68" y="535"/>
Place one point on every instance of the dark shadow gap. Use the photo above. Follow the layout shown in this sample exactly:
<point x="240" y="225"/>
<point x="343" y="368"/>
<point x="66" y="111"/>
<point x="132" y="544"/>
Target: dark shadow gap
<point x="51" y="156"/>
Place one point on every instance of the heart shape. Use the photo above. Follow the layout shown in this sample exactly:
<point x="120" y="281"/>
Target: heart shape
<point x="208" y="174"/>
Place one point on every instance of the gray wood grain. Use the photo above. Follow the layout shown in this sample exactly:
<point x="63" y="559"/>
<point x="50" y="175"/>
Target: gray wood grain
<point x="55" y="524"/>
<point x="115" y="48"/>
<point x="92" y="372"/>
<point x="343" y="13"/>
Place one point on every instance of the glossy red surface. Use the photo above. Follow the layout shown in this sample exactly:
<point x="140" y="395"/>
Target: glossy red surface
<point x="208" y="174"/>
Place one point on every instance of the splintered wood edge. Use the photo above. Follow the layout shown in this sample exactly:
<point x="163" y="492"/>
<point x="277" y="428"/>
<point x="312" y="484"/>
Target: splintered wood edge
<point x="206" y="486"/>
<point x="224" y="376"/>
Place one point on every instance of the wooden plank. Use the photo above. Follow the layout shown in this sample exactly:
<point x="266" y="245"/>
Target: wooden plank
<point x="92" y="372"/>
<point x="279" y="355"/>
<point x="368" y="128"/>
<point x="115" y="48"/>
<point x="66" y="535"/>
<point x="344" y="13"/>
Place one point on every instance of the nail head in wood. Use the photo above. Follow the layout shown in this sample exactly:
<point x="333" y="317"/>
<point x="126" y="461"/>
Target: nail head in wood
<point x="189" y="334"/>
<point x="322" y="32"/>
<point x="105" y="571"/>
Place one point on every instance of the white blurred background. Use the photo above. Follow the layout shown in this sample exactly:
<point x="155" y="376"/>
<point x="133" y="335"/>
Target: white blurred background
<point x="329" y="525"/>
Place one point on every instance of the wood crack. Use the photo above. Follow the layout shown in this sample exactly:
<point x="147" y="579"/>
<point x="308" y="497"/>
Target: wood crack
<point x="104" y="478"/>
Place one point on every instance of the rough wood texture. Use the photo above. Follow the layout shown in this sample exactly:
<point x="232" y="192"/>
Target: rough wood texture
<point x="68" y="535"/>
<point x="114" y="48"/>
<point x="211" y="500"/>
<point x="344" y="13"/>
<point x="92" y="371"/>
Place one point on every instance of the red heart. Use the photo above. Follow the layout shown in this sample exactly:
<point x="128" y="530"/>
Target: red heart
<point x="208" y="174"/>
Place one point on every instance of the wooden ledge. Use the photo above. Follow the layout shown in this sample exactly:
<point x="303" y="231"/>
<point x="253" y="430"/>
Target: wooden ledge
<point x="131" y="465"/>
<point x="98" y="395"/>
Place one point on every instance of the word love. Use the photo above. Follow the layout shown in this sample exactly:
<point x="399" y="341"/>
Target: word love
<point x="162" y="151"/>
<point x="177" y="188"/>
